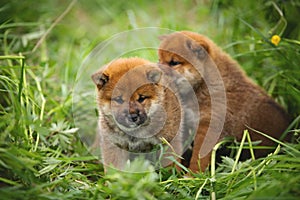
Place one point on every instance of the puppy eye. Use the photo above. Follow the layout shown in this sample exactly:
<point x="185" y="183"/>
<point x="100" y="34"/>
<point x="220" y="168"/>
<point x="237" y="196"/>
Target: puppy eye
<point x="118" y="99"/>
<point x="142" y="98"/>
<point x="174" y="63"/>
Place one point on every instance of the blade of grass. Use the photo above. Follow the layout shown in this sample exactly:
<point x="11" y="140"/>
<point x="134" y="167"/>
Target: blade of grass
<point x="200" y="190"/>
<point x="294" y="122"/>
<point x="250" y="146"/>
<point x="22" y="74"/>
<point x="239" y="151"/>
<point x="39" y="89"/>
<point x="266" y="161"/>
<point x="281" y="19"/>
<point x="275" y="140"/>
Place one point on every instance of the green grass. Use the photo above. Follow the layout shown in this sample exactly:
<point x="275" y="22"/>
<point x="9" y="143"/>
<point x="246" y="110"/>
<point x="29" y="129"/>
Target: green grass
<point x="43" y="46"/>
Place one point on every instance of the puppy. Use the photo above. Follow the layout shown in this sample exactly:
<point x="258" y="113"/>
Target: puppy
<point x="138" y="106"/>
<point x="217" y="78"/>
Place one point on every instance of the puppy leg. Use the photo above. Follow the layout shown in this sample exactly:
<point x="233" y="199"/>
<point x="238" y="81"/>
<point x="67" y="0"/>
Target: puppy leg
<point x="199" y="138"/>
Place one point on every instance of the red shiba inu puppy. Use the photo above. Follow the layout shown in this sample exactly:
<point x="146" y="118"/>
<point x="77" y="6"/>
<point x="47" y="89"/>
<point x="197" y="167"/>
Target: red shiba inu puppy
<point x="137" y="107"/>
<point x="207" y="68"/>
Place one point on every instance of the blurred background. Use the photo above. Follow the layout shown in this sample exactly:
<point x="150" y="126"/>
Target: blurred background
<point x="241" y="28"/>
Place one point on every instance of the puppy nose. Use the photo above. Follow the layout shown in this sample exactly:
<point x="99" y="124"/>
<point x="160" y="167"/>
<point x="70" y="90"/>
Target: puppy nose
<point x="133" y="117"/>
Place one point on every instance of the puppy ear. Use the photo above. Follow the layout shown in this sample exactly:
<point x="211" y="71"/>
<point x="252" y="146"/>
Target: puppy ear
<point x="199" y="49"/>
<point x="162" y="37"/>
<point x="154" y="75"/>
<point x="100" y="79"/>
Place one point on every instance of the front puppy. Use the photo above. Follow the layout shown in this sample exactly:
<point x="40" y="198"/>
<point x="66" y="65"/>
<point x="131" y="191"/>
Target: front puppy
<point x="211" y="71"/>
<point x="137" y="108"/>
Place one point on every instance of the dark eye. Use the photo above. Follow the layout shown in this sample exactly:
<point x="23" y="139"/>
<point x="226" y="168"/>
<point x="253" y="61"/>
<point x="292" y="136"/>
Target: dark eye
<point x="142" y="98"/>
<point x="118" y="99"/>
<point x="174" y="63"/>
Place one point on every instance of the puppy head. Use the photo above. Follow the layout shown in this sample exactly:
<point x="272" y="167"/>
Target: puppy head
<point x="182" y="51"/>
<point x="128" y="92"/>
<point x="177" y="48"/>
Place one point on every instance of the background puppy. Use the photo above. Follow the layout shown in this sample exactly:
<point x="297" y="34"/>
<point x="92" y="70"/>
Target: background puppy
<point x="246" y="104"/>
<point x="137" y="108"/>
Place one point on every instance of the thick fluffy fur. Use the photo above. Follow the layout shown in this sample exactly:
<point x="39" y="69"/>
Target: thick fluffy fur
<point x="246" y="103"/>
<point x="137" y="108"/>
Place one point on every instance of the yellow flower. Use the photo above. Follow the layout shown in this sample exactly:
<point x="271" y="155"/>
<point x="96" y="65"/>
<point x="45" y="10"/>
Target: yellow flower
<point x="275" y="39"/>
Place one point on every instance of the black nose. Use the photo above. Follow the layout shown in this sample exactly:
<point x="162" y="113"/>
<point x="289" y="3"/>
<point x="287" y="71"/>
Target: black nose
<point x="133" y="117"/>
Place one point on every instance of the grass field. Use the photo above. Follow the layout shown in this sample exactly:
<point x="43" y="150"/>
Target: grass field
<point x="44" y="47"/>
